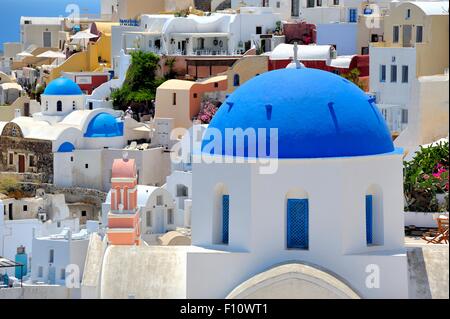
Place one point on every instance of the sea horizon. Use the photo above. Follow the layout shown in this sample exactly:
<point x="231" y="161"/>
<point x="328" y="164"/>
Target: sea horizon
<point x="12" y="10"/>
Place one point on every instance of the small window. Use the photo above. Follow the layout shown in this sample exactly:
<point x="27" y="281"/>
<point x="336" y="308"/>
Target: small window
<point x="393" y="73"/>
<point x="59" y="106"/>
<point x="383" y="73"/>
<point x="32" y="161"/>
<point x="353" y="15"/>
<point x="369" y="219"/>
<point x="148" y="218"/>
<point x="405" y="74"/>
<point x="404" y="116"/>
<point x="319" y="3"/>
<point x="83" y="213"/>
<point x="237" y="81"/>
<point x="51" y="256"/>
<point x="408" y="14"/>
<point x="419" y="34"/>
<point x="310" y="4"/>
<point x="4" y="210"/>
<point x="74" y="105"/>
<point x="174" y="99"/>
<point x="336" y="2"/>
<point x="195" y="95"/>
<point x="216" y="85"/>
<point x="71" y="158"/>
<point x="63" y="274"/>
<point x="278" y="4"/>
<point x="11" y="159"/>
<point x="40" y="271"/>
<point x="150" y="43"/>
<point x="159" y="200"/>
<point x="91" y="105"/>
<point x="297" y="223"/>
<point x="182" y="191"/>
<point x="396" y="34"/>
<point x="25" y="208"/>
<point x="58" y="224"/>
<point x="258" y="30"/>
<point x="170" y="217"/>
<point x="86" y="165"/>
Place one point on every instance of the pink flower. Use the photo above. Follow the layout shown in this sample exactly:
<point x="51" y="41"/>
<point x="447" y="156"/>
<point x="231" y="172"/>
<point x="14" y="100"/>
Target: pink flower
<point x="426" y="176"/>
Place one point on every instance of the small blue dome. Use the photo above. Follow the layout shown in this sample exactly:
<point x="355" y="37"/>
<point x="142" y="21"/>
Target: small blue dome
<point x="318" y="114"/>
<point x="104" y="125"/>
<point x="62" y="86"/>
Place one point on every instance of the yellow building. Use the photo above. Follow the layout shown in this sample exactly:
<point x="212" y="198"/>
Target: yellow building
<point x="180" y="100"/>
<point x="97" y="57"/>
<point x="131" y="9"/>
<point x="245" y="69"/>
<point x="423" y="26"/>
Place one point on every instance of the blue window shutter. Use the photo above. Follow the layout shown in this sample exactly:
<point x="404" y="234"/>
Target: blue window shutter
<point x="225" y="217"/>
<point x="369" y="219"/>
<point x="297" y="223"/>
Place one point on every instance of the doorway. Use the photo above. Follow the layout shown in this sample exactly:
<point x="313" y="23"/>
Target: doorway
<point x="10" y="210"/>
<point x="21" y="163"/>
<point x="407" y="35"/>
<point x="47" y="39"/>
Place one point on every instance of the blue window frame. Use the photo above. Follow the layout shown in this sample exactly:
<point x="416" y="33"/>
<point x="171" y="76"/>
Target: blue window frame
<point x="369" y="219"/>
<point x="297" y="223"/>
<point x="225" y="217"/>
<point x="353" y="15"/>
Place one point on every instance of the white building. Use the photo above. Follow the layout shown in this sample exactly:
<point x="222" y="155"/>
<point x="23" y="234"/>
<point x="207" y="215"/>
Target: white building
<point x="392" y="76"/>
<point x="335" y="203"/>
<point x="53" y="254"/>
<point x="415" y="45"/>
<point x="43" y="32"/>
<point x="325" y="221"/>
<point x="20" y="232"/>
<point x="217" y="34"/>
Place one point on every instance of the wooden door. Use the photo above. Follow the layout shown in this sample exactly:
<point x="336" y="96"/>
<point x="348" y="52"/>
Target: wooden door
<point x="21" y="164"/>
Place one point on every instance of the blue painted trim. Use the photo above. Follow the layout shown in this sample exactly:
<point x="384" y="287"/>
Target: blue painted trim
<point x="369" y="219"/>
<point x="225" y="218"/>
<point x="66" y="147"/>
<point x="298" y="223"/>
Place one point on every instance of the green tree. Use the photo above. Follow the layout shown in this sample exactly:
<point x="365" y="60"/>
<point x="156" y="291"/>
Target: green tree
<point x="141" y="82"/>
<point x="170" y="64"/>
<point x="353" y="76"/>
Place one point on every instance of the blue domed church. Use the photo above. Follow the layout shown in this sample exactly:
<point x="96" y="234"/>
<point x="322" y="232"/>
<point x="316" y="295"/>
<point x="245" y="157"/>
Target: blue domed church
<point x="298" y="194"/>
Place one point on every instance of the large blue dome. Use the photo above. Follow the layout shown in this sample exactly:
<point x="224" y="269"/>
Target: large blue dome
<point x="104" y="125"/>
<point x="318" y="114"/>
<point x="62" y="86"/>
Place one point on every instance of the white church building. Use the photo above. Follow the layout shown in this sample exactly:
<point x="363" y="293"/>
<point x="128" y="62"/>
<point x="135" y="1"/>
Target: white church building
<point x="327" y="223"/>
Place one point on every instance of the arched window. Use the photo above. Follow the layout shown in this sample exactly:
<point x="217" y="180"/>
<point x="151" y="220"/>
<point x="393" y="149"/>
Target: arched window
<point x="297" y="219"/>
<point x="374" y="216"/>
<point x="59" y="106"/>
<point x="221" y="218"/>
<point x="237" y="80"/>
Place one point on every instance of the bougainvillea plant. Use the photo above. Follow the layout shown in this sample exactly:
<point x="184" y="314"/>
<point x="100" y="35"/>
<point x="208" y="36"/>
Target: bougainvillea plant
<point x="208" y="109"/>
<point x="426" y="175"/>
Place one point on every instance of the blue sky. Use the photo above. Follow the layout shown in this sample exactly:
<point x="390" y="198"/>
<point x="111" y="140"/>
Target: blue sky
<point x="12" y="10"/>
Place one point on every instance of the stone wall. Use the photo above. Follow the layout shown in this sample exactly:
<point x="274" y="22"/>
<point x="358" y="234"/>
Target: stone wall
<point x="41" y="149"/>
<point x="72" y="194"/>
